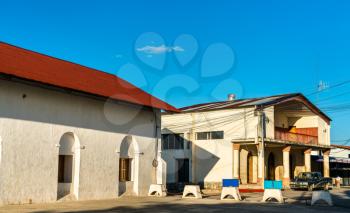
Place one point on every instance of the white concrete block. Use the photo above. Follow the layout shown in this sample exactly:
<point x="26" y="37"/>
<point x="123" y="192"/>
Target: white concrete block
<point x="157" y="190"/>
<point x="321" y="195"/>
<point x="273" y="193"/>
<point x="230" y="191"/>
<point x="192" y="189"/>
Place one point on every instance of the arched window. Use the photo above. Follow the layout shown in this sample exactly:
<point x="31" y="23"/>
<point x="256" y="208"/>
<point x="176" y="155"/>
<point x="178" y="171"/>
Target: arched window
<point x="129" y="157"/>
<point x="68" y="166"/>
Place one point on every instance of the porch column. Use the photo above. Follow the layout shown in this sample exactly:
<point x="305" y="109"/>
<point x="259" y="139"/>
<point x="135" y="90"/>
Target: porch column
<point x="286" y="169"/>
<point x="307" y="160"/>
<point x="236" y="161"/>
<point x="326" y="163"/>
<point x="261" y="164"/>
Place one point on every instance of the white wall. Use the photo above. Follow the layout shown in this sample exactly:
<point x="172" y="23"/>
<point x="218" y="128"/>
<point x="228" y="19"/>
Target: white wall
<point x="31" y="128"/>
<point x="213" y="157"/>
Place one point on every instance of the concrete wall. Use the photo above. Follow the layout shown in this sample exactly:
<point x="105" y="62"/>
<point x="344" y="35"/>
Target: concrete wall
<point x="32" y="122"/>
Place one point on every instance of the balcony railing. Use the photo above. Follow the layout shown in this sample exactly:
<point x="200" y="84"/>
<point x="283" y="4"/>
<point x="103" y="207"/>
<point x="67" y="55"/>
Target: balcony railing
<point x="287" y="135"/>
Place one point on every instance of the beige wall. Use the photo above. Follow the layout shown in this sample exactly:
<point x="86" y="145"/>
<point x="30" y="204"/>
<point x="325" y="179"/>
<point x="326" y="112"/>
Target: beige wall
<point x="31" y="129"/>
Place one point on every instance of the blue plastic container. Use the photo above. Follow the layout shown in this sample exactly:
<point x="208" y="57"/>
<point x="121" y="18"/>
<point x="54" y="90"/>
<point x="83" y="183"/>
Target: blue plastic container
<point x="230" y="182"/>
<point x="277" y="184"/>
<point x="273" y="184"/>
<point x="268" y="184"/>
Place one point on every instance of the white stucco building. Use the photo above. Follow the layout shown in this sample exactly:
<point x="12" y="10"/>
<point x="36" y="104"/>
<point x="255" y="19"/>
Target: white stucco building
<point x="72" y="132"/>
<point x="249" y="139"/>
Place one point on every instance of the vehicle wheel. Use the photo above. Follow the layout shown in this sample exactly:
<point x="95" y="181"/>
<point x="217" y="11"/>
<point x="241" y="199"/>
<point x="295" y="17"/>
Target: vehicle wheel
<point x="311" y="187"/>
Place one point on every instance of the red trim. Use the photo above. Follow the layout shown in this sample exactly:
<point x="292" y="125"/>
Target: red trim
<point x="29" y="65"/>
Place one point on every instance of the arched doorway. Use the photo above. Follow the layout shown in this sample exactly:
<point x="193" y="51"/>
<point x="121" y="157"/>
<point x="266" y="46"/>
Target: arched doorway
<point x="250" y="175"/>
<point x="271" y="167"/>
<point x="68" y="166"/>
<point x="129" y="165"/>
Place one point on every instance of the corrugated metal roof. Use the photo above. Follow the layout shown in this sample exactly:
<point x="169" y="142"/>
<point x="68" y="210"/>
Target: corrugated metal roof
<point x="340" y="146"/>
<point x="29" y="65"/>
<point x="235" y="103"/>
<point x="257" y="102"/>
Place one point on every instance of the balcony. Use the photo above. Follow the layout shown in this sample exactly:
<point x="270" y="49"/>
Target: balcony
<point x="299" y="135"/>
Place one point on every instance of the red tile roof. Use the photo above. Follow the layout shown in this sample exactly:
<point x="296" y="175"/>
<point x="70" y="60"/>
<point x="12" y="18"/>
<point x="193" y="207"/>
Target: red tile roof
<point x="29" y="65"/>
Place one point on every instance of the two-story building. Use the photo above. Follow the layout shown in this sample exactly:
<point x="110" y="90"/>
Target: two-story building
<point x="250" y="139"/>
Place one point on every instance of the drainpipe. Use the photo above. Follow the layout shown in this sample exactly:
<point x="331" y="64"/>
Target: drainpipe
<point x="157" y="152"/>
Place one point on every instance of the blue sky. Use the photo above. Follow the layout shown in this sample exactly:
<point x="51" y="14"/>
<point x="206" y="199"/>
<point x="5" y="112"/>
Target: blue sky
<point x="204" y="50"/>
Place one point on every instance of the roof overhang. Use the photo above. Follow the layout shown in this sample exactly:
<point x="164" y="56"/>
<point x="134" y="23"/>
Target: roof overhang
<point x="302" y="99"/>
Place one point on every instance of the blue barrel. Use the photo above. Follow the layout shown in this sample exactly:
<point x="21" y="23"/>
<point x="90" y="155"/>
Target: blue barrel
<point x="230" y="182"/>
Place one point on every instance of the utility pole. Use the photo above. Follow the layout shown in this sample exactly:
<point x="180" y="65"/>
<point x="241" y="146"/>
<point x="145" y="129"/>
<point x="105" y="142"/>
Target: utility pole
<point x="261" y="144"/>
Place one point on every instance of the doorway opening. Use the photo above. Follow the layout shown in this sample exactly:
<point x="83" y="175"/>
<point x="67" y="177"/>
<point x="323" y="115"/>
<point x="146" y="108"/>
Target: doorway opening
<point x="183" y="173"/>
<point x="271" y="167"/>
<point x="250" y="168"/>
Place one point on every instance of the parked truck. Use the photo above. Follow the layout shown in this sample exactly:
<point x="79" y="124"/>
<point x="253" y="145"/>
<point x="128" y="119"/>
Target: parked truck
<point x="310" y="181"/>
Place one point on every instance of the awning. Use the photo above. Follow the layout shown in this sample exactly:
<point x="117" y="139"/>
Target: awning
<point x="332" y="159"/>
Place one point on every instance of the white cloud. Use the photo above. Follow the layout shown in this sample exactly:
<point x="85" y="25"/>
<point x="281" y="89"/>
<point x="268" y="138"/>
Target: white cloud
<point x="178" y="49"/>
<point x="148" y="49"/>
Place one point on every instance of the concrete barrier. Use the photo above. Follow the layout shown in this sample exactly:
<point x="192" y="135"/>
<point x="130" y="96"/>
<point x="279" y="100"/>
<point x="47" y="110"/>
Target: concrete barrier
<point x="273" y="190"/>
<point x="192" y="189"/>
<point x="157" y="190"/>
<point x="321" y="196"/>
<point x="226" y="192"/>
<point x="273" y="194"/>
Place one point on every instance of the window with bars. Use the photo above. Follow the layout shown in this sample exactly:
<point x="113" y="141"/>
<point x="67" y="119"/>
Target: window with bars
<point x="173" y="141"/>
<point x="124" y="169"/>
<point x="213" y="135"/>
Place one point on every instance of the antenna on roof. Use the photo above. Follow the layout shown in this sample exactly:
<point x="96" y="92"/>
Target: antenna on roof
<point x="231" y="97"/>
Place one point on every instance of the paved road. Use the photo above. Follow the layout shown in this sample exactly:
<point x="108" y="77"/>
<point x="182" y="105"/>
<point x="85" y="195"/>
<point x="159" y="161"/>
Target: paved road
<point x="295" y="202"/>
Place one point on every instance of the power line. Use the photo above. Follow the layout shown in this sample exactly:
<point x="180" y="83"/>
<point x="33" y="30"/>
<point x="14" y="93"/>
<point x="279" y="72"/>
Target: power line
<point x="334" y="96"/>
<point x="330" y="87"/>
